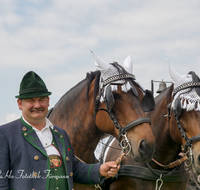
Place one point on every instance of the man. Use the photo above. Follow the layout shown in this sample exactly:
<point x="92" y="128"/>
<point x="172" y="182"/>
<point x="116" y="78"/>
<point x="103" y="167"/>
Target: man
<point x="36" y="155"/>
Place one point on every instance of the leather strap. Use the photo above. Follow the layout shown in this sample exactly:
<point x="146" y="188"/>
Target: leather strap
<point x="172" y="164"/>
<point x="191" y="140"/>
<point x="152" y="175"/>
<point x="133" y="124"/>
<point x="118" y="161"/>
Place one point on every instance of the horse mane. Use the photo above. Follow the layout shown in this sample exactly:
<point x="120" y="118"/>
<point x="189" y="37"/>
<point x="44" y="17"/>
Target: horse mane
<point x="89" y="78"/>
<point x="166" y="92"/>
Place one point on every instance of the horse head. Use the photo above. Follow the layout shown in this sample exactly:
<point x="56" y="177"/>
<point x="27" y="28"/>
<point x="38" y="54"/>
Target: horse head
<point x="186" y="107"/>
<point x="174" y="123"/>
<point x="122" y="103"/>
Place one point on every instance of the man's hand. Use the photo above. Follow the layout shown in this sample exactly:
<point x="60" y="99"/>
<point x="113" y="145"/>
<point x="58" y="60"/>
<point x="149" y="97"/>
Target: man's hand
<point x="109" y="169"/>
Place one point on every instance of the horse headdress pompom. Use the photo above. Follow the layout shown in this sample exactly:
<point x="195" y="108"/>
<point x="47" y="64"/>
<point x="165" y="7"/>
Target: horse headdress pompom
<point x="186" y="87"/>
<point x="114" y="69"/>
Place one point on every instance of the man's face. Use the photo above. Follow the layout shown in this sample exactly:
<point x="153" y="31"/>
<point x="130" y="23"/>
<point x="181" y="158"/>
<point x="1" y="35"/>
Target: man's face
<point x="34" y="109"/>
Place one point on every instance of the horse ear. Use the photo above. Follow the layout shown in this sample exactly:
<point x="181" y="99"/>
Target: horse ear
<point x="128" y="64"/>
<point x="100" y="64"/>
<point x="173" y="74"/>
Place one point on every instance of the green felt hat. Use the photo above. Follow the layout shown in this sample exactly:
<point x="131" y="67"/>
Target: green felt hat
<point x="32" y="86"/>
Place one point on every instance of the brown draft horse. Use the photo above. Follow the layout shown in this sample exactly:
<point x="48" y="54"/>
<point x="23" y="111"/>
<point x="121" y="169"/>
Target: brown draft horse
<point x="174" y="122"/>
<point x="93" y="108"/>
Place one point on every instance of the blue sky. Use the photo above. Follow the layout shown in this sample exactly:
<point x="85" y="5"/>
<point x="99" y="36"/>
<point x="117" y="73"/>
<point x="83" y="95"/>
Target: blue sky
<point x="54" y="38"/>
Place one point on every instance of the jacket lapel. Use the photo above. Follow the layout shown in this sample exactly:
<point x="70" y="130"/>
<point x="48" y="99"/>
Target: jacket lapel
<point x="30" y="135"/>
<point x="33" y="139"/>
<point x="60" y="142"/>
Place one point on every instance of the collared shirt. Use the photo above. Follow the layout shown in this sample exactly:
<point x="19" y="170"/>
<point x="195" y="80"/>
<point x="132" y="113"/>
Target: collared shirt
<point x="46" y="137"/>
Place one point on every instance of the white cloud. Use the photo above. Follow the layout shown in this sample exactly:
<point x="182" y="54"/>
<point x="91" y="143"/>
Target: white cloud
<point x="54" y="39"/>
<point x="12" y="116"/>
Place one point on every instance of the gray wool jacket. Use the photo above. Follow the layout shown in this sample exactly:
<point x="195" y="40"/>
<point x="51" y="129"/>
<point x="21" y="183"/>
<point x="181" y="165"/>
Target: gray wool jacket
<point x="25" y="165"/>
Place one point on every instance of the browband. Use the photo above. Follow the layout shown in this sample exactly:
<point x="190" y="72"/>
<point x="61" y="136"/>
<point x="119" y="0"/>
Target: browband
<point x="117" y="77"/>
<point x="184" y="86"/>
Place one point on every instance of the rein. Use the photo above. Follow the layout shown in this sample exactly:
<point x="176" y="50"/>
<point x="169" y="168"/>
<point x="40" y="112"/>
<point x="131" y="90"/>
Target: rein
<point x="172" y="164"/>
<point x="79" y="159"/>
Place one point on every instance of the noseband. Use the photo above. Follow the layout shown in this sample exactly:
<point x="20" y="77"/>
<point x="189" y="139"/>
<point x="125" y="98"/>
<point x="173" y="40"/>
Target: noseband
<point x="177" y="112"/>
<point x="124" y="144"/>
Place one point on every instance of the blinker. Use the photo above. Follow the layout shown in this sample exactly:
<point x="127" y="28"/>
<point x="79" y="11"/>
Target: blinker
<point x="110" y="100"/>
<point x="109" y="97"/>
<point x="177" y="107"/>
<point x="148" y="103"/>
<point x="195" y="78"/>
<point x="135" y="92"/>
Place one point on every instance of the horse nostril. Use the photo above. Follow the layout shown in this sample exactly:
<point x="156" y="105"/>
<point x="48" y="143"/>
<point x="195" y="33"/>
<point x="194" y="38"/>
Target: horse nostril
<point x="145" y="148"/>
<point x="198" y="159"/>
<point x="142" y="146"/>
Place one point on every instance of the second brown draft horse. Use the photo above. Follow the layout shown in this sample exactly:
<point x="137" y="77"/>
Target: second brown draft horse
<point x="108" y="101"/>
<point x="175" y="122"/>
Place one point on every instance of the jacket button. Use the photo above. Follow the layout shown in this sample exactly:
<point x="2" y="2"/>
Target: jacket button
<point x="71" y="174"/>
<point x="25" y="134"/>
<point x="33" y="189"/>
<point x="61" y="136"/>
<point x="35" y="174"/>
<point x="36" y="157"/>
<point x="24" y="129"/>
<point x="67" y="158"/>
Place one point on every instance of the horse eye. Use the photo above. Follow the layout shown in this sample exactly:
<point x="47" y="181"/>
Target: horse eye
<point x="116" y="96"/>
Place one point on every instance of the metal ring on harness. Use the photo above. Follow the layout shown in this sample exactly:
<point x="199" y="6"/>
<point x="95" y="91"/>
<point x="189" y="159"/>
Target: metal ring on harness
<point x="189" y="155"/>
<point x="125" y="145"/>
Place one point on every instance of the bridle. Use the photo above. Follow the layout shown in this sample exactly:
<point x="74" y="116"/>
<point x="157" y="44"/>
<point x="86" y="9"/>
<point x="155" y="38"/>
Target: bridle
<point x="177" y="112"/>
<point x="109" y="102"/>
<point x="177" y="109"/>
